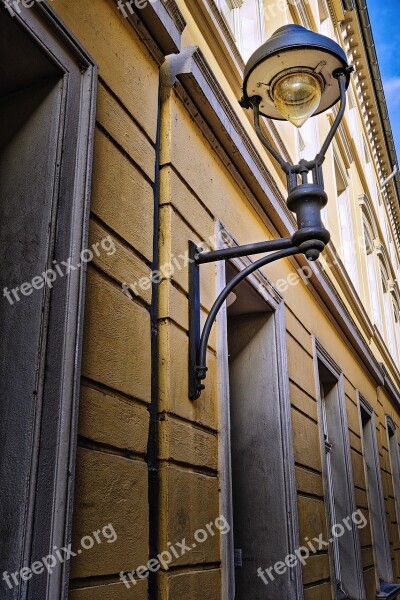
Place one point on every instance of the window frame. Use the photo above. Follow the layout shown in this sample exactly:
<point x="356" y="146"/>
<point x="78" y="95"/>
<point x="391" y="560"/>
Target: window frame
<point x="371" y="265"/>
<point x="352" y="575"/>
<point x="385" y="571"/>
<point x="346" y="226"/>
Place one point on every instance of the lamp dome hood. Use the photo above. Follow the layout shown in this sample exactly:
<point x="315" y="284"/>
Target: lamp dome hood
<point x="293" y="48"/>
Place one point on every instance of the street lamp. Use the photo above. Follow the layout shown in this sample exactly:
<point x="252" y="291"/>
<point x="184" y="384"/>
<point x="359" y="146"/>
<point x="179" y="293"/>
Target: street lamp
<point x="296" y="74"/>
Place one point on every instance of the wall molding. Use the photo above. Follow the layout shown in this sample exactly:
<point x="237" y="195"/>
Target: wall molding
<point x="175" y="14"/>
<point x="388" y="383"/>
<point x="159" y="25"/>
<point x="299" y="11"/>
<point x="220" y="39"/>
<point x="322" y="354"/>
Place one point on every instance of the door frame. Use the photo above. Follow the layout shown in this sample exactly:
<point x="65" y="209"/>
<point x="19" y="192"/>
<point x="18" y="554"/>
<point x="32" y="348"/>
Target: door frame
<point x="50" y="503"/>
<point x="274" y="301"/>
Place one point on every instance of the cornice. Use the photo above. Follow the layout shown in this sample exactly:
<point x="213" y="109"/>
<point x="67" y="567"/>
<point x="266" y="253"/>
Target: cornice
<point x="175" y="14"/>
<point x="336" y="11"/>
<point x="365" y="404"/>
<point x="326" y="358"/>
<point x="159" y="24"/>
<point x="371" y="100"/>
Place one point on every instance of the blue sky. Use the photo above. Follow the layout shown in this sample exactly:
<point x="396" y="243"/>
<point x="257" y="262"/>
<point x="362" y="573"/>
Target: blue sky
<point x="384" y="15"/>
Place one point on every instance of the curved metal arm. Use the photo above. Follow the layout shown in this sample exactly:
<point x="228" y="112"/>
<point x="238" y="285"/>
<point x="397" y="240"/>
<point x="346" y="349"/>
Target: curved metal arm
<point x="256" y="109"/>
<point x="201" y="362"/>
<point x="247" y="250"/>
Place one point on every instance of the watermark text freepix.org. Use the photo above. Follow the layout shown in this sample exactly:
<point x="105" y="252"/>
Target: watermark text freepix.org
<point x="61" y="269"/>
<point x="175" y="551"/>
<point x="60" y="555"/>
<point x="302" y="554"/>
<point x="181" y="261"/>
<point x="14" y="6"/>
<point x="126" y="6"/>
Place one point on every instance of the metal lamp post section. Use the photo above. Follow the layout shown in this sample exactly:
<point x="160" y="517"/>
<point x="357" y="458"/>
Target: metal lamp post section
<point x="278" y="65"/>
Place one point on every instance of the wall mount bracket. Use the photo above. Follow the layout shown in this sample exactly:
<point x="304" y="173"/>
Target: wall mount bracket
<point x="305" y="198"/>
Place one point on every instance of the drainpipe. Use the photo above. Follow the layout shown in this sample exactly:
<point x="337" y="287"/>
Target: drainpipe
<point x="384" y="184"/>
<point x="152" y="442"/>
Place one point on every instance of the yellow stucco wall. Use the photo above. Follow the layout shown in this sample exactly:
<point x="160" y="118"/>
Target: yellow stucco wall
<point x="196" y="191"/>
<point x="116" y="374"/>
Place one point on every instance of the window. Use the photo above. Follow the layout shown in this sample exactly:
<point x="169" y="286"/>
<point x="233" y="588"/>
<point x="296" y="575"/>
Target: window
<point x="246" y="20"/>
<point x="378" y="195"/>
<point x="301" y="144"/>
<point x="47" y="96"/>
<point x="388" y="328"/>
<point x="259" y="484"/>
<point x="346" y="228"/>
<point x="323" y="10"/>
<point x="376" y="503"/>
<point x="353" y="117"/>
<point x="227" y="9"/>
<point x="372" y="278"/>
<point x="347" y="237"/>
<point x="369" y="173"/>
<point x="335" y="448"/>
<point x="389" y="314"/>
<point x="389" y="237"/>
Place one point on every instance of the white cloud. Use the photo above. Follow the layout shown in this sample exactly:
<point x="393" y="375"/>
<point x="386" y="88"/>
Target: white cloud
<point x="392" y="91"/>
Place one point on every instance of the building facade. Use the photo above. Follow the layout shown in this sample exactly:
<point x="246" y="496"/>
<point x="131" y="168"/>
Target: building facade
<point x="122" y="141"/>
